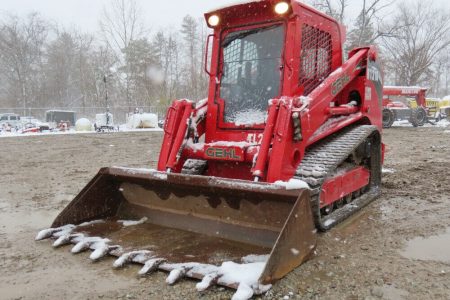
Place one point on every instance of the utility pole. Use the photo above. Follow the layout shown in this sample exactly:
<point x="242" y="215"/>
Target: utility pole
<point x="106" y="99"/>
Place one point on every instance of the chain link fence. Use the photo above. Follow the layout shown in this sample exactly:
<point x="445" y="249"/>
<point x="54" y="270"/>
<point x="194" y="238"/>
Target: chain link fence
<point x="119" y="112"/>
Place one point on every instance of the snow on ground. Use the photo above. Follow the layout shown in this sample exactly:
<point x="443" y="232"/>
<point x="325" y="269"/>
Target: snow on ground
<point x="443" y="123"/>
<point x="387" y="170"/>
<point x="405" y="123"/>
<point x="122" y="128"/>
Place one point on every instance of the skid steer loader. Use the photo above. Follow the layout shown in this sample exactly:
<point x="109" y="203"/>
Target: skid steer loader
<point x="287" y="142"/>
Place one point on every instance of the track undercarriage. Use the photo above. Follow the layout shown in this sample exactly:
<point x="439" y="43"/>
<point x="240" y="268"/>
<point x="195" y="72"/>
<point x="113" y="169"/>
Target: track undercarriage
<point x="339" y="154"/>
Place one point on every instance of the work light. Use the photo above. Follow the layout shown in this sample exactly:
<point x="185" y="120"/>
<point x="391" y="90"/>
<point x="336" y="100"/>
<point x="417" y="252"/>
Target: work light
<point x="213" y="20"/>
<point x="281" y="8"/>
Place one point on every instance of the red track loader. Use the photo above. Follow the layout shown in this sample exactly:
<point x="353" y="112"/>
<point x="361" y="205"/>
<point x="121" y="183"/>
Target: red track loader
<point x="401" y="110"/>
<point x="288" y="140"/>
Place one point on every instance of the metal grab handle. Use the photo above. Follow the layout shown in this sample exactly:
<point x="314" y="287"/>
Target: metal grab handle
<point x="206" y="54"/>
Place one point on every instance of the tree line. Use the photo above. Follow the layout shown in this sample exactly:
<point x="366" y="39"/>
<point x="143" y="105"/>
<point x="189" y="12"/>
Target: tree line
<point x="412" y="37"/>
<point x="43" y="64"/>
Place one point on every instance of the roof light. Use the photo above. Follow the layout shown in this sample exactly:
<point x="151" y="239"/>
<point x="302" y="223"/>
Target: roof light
<point x="281" y="8"/>
<point x="213" y="20"/>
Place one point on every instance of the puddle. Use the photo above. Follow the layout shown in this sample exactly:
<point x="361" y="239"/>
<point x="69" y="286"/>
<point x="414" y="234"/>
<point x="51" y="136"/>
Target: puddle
<point x="436" y="248"/>
<point x="353" y="224"/>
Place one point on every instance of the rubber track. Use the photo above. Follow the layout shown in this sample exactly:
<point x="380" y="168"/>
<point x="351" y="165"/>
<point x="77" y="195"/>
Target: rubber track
<point x="323" y="159"/>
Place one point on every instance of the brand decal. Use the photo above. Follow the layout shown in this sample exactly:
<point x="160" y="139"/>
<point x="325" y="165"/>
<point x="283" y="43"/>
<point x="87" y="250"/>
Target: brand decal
<point x="339" y="84"/>
<point x="223" y="153"/>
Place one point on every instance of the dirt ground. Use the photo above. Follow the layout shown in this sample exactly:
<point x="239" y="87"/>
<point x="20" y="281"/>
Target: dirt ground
<point x="363" y="258"/>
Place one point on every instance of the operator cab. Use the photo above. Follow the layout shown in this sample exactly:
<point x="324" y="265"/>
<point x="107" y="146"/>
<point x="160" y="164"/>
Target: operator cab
<point x="261" y="51"/>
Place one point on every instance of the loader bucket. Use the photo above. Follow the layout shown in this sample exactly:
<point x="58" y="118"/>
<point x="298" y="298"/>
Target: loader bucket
<point x="206" y="220"/>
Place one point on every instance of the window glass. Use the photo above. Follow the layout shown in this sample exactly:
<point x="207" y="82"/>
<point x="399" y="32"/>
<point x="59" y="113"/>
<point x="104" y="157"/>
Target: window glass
<point x="251" y="73"/>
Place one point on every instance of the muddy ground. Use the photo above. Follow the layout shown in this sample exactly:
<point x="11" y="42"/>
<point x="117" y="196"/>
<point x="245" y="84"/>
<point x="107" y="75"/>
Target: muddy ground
<point x="363" y="258"/>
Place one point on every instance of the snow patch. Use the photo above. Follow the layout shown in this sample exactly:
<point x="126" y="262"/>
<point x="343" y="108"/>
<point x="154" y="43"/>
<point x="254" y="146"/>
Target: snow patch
<point x="387" y="170"/>
<point x="293" y="184"/>
<point x="91" y="222"/>
<point x="295" y="251"/>
<point x="248" y="117"/>
<point x="251" y="258"/>
<point x="245" y="185"/>
<point x="443" y="123"/>
<point x="231" y="144"/>
<point x="200" y="103"/>
<point x="328" y="222"/>
<point x="132" y="223"/>
<point x="143" y="171"/>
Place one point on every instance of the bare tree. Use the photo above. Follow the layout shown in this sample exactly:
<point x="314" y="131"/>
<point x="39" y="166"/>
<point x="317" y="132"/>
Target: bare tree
<point x="333" y="8"/>
<point x="189" y="31"/>
<point x="21" y="47"/>
<point x="440" y="71"/>
<point x="371" y="24"/>
<point x="121" y="23"/>
<point x="423" y="32"/>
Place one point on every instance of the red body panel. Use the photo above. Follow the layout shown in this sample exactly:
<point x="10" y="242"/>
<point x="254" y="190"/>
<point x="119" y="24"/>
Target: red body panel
<point x="344" y="184"/>
<point x="347" y="94"/>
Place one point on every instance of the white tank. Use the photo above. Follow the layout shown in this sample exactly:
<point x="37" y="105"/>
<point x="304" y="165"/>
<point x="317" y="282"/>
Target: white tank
<point x="83" y="124"/>
<point x="145" y="120"/>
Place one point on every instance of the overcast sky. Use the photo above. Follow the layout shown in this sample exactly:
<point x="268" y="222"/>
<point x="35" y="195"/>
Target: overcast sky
<point x="84" y="14"/>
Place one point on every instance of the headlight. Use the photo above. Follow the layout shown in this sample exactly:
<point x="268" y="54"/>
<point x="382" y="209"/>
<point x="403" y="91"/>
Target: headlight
<point x="281" y="8"/>
<point x="213" y="20"/>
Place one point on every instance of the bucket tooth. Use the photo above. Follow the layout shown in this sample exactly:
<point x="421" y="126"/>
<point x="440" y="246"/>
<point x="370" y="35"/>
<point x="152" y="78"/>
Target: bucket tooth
<point x="84" y="243"/>
<point x="151" y="265"/>
<point x="244" y="291"/>
<point x="140" y="256"/>
<point x="49" y="232"/>
<point x="177" y="274"/>
<point x="101" y="250"/>
<point x="207" y="281"/>
<point x="66" y="239"/>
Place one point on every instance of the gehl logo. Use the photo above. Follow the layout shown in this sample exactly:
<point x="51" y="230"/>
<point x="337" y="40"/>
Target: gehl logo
<point x="339" y="84"/>
<point x="221" y="153"/>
